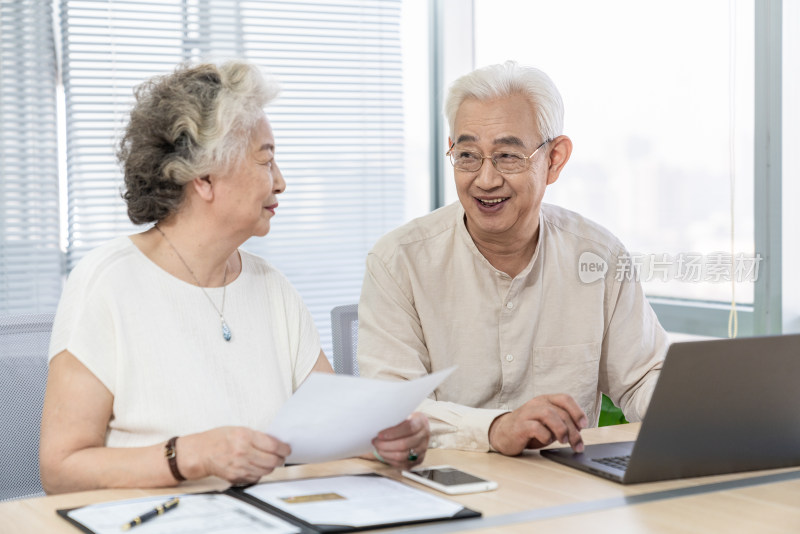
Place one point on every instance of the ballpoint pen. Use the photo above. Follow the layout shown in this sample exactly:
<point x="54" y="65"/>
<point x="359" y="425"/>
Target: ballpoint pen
<point x="155" y="512"/>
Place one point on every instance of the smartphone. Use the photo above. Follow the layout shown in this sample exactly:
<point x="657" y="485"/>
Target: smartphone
<point x="450" y="480"/>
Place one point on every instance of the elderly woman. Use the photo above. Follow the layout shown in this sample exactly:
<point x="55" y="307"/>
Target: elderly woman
<point x="172" y="349"/>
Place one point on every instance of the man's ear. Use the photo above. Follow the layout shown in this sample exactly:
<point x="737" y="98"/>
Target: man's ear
<point x="560" y="151"/>
<point x="204" y="187"/>
<point x="449" y="142"/>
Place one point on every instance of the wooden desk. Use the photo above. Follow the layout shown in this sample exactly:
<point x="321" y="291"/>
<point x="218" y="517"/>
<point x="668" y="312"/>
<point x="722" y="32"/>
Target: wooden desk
<point x="534" y="494"/>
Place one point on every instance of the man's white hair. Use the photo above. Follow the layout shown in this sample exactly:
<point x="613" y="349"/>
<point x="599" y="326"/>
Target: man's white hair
<point x="506" y="79"/>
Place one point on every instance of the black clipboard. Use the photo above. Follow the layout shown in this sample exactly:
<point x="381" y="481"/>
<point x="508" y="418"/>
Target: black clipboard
<point x="64" y="513"/>
<point x="240" y="493"/>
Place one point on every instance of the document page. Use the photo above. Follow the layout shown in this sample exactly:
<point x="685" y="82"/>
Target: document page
<point x="351" y="500"/>
<point x="331" y="417"/>
<point x="198" y="514"/>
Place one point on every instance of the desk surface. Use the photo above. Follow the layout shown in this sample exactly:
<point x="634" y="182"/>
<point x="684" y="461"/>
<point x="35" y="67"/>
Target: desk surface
<point x="533" y="494"/>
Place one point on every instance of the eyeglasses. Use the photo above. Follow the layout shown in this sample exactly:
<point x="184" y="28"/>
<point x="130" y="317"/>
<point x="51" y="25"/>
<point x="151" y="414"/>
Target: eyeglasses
<point x="505" y="162"/>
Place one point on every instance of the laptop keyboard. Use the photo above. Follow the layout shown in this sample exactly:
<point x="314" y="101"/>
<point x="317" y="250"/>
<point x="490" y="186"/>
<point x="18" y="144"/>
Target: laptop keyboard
<point x="617" y="462"/>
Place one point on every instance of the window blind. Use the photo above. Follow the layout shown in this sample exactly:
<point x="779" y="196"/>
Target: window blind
<point x="30" y="257"/>
<point x="338" y="122"/>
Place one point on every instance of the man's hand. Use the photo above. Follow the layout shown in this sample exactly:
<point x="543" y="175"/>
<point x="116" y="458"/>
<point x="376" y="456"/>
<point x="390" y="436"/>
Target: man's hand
<point x="539" y="422"/>
<point x="394" y="445"/>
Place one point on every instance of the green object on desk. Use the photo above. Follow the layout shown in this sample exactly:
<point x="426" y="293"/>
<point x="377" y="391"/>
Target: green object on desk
<point x="610" y="414"/>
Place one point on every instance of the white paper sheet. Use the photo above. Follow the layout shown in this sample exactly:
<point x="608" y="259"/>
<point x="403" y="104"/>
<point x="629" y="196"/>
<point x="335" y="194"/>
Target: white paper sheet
<point x="355" y="501"/>
<point x="198" y="514"/>
<point x="336" y="416"/>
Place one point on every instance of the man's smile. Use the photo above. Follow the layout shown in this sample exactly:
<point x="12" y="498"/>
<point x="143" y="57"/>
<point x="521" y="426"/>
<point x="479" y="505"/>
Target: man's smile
<point x="491" y="202"/>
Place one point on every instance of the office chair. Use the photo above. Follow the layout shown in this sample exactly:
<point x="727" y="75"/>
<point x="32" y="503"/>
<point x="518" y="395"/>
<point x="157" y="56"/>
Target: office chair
<point x="344" y="330"/>
<point x="24" y="341"/>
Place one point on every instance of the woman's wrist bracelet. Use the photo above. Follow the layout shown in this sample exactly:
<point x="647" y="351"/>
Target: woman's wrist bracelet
<point x="172" y="459"/>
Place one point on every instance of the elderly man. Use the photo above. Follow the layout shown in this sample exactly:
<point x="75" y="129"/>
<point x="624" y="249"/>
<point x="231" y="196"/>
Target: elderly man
<point x="493" y="284"/>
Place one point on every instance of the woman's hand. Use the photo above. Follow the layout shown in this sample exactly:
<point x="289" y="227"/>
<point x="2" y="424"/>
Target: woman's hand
<point x="237" y="454"/>
<point x="404" y="445"/>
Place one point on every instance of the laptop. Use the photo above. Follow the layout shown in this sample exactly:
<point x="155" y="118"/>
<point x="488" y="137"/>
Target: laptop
<point x="720" y="406"/>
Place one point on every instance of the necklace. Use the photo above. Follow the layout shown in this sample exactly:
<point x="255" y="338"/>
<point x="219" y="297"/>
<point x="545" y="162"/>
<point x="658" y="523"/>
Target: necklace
<point x="226" y="331"/>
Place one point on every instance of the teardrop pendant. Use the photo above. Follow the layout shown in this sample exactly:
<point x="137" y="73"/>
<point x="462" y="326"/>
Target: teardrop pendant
<point x="226" y="332"/>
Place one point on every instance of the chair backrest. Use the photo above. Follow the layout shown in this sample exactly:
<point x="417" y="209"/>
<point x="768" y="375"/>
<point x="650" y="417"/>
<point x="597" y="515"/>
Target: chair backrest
<point x="24" y="341"/>
<point x="344" y="331"/>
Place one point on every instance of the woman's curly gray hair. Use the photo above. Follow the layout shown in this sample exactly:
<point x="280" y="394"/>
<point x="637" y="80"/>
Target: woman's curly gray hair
<point x="184" y="125"/>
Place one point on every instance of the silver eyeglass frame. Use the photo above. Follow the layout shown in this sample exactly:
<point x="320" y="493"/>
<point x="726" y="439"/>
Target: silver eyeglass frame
<point x="493" y="159"/>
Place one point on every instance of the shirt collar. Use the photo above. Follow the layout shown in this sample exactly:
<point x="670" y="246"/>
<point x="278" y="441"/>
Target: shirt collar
<point x="463" y="233"/>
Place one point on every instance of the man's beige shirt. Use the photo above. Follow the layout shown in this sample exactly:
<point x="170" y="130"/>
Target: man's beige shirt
<point x="430" y="300"/>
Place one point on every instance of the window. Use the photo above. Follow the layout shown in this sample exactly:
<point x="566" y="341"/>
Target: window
<point x="791" y="165"/>
<point x="30" y="257"/>
<point x="340" y="123"/>
<point x="669" y="114"/>
<point x="354" y="126"/>
<point x="660" y="125"/>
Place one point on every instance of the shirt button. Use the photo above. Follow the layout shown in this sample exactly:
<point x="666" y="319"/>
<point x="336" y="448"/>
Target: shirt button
<point x="474" y="445"/>
<point x="509" y="357"/>
<point x="510" y="305"/>
<point x="434" y="444"/>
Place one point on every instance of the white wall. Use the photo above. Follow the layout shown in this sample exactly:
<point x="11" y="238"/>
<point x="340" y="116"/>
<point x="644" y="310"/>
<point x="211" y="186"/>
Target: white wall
<point x="791" y="166"/>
